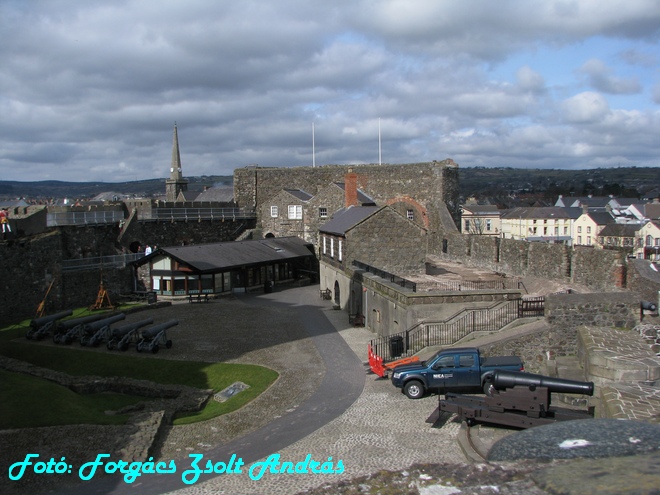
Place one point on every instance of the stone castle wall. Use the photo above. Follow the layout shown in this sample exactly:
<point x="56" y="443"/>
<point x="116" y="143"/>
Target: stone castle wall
<point x="430" y="184"/>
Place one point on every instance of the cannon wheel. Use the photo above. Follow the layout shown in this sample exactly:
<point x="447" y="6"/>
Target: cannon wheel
<point x="30" y="334"/>
<point x="84" y="340"/>
<point x="111" y="344"/>
<point x="414" y="389"/>
<point x="139" y="345"/>
<point x="168" y="344"/>
<point x="154" y="348"/>
<point x="123" y="346"/>
<point x="57" y="338"/>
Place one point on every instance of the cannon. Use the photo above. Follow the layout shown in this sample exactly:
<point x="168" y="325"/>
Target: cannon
<point x="40" y="327"/>
<point x="124" y="335"/>
<point x="648" y="306"/>
<point x="67" y="331"/>
<point x="152" y="338"/>
<point x="92" y="334"/>
<point x="518" y="399"/>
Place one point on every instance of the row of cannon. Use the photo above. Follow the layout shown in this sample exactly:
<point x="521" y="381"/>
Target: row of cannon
<point x="94" y="330"/>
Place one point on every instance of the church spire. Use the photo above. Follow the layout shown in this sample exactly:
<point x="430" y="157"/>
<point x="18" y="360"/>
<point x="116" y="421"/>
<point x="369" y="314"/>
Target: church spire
<point x="176" y="185"/>
<point x="175" y="168"/>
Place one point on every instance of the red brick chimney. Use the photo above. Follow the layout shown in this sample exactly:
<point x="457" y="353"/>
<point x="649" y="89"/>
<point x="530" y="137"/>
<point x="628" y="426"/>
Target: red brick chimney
<point x="350" y="188"/>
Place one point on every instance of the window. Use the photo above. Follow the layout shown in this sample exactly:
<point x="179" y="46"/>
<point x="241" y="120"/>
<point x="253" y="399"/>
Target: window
<point x="579" y="239"/>
<point x="545" y="230"/>
<point x="467" y="226"/>
<point x="649" y="240"/>
<point x="488" y="225"/>
<point x="410" y="214"/>
<point x="273" y="211"/>
<point x="339" y="250"/>
<point x="588" y="240"/>
<point x="466" y="360"/>
<point x="579" y="230"/>
<point x="444" y="362"/>
<point x="323" y="212"/>
<point x="295" y="212"/>
<point x="332" y="247"/>
<point x="565" y="230"/>
<point x="556" y="231"/>
<point x="325" y="250"/>
<point x="588" y="230"/>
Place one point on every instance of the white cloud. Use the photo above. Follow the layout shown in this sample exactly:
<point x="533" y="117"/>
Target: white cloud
<point x="90" y="90"/>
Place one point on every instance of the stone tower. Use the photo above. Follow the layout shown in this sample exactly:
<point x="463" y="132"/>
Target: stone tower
<point x="176" y="185"/>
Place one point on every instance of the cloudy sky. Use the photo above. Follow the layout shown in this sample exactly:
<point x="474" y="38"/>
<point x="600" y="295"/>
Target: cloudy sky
<point x="90" y="90"/>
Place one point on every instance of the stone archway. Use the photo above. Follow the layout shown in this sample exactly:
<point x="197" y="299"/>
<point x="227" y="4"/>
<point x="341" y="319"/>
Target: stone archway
<point x="337" y="294"/>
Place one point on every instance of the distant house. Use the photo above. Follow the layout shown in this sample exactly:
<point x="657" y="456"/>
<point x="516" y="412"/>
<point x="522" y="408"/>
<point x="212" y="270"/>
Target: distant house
<point x="648" y="243"/>
<point x="481" y="220"/>
<point x="551" y="224"/>
<point x="227" y="266"/>
<point x="618" y="235"/>
<point x="588" y="227"/>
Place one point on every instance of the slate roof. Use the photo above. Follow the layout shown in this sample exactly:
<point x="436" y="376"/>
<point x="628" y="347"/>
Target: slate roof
<point x="345" y="219"/>
<point x="221" y="194"/>
<point x="601" y="218"/>
<point x="481" y="209"/>
<point x="210" y="258"/>
<point x="620" y="230"/>
<point x="300" y="194"/>
<point x="363" y="199"/>
<point x="541" y="212"/>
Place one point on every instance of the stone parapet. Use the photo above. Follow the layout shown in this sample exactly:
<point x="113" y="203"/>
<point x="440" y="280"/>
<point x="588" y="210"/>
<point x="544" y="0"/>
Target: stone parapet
<point x="616" y="356"/>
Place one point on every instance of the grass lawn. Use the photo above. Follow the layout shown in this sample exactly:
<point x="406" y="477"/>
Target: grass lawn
<point x="34" y="403"/>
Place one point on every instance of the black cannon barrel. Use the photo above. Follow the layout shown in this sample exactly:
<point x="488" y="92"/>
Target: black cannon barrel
<point x="38" y="322"/>
<point x="98" y="324"/>
<point x="150" y="333"/>
<point x="648" y="305"/>
<point x="69" y="324"/>
<point x="502" y="379"/>
<point x="129" y="327"/>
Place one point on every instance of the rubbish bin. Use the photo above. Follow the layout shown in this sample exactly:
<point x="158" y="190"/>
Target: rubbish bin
<point x="396" y="346"/>
<point x="151" y="298"/>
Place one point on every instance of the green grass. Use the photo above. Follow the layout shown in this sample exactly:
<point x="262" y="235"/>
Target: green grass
<point x="44" y="403"/>
<point x="89" y="409"/>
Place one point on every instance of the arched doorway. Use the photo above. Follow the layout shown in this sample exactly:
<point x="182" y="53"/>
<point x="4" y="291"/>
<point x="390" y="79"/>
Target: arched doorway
<point x="337" y="295"/>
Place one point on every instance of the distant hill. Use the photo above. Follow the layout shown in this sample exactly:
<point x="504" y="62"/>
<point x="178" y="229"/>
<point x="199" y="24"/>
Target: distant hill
<point x="59" y="189"/>
<point x="475" y="181"/>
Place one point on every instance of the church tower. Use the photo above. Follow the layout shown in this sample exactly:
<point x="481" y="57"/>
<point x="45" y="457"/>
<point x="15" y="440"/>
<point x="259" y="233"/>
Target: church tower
<point x="176" y="185"/>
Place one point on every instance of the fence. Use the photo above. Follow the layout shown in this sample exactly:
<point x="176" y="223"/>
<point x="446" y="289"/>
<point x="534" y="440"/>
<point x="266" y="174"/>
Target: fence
<point x="94" y="217"/>
<point x="184" y="214"/>
<point x="386" y="275"/>
<point x="447" y="332"/>
<point x="453" y="285"/>
<point x="96" y="262"/>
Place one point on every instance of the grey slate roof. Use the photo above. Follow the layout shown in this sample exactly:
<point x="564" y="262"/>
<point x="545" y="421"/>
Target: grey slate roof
<point x="346" y="218"/>
<point x="300" y="194"/>
<point x="620" y="230"/>
<point x="209" y="258"/>
<point x="541" y="212"/>
<point x="601" y="218"/>
<point x="363" y="199"/>
<point x="221" y="194"/>
<point x="483" y="209"/>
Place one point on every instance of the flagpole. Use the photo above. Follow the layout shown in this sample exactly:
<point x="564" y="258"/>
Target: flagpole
<point x="313" y="148"/>
<point x="380" y="155"/>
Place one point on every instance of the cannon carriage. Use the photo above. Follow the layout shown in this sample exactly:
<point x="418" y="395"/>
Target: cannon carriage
<point x="151" y="339"/>
<point x="92" y="334"/>
<point x="122" y="337"/>
<point x="518" y="399"/>
<point x="70" y="330"/>
<point x="46" y="325"/>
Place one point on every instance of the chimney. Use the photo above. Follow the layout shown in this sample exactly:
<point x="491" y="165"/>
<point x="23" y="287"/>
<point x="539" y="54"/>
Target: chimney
<point x="350" y="188"/>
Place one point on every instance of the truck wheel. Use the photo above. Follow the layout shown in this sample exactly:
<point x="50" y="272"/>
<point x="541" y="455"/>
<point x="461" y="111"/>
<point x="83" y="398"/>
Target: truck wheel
<point x="413" y="389"/>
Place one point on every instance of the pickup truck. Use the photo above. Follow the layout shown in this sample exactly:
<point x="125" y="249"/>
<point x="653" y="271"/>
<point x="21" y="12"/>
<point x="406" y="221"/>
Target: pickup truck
<point x="459" y="369"/>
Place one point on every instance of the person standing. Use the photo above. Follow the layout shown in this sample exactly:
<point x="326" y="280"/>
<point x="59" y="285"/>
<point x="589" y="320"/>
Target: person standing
<point x="4" y="221"/>
<point x="147" y="250"/>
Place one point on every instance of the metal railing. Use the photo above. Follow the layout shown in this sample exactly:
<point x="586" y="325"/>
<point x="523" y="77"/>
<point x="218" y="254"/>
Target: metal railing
<point x="409" y="284"/>
<point x="97" y="262"/>
<point x="447" y="332"/>
<point x="456" y="286"/>
<point x="185" y="214"/>
<point x="94" y="217"/>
